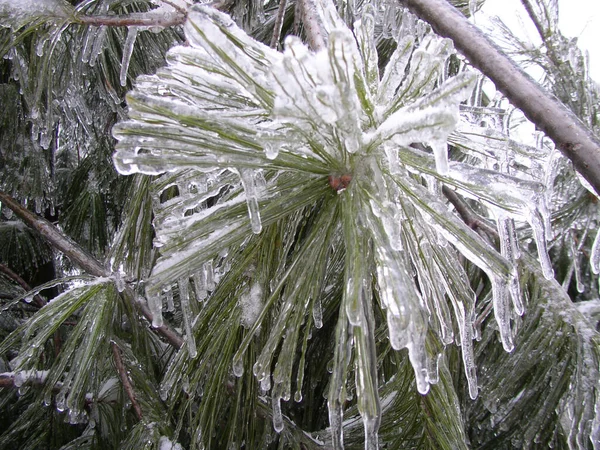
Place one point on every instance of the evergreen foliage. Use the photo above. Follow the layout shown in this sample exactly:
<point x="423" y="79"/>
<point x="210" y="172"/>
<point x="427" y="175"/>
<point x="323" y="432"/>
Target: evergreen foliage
<point x="287" y="225"/>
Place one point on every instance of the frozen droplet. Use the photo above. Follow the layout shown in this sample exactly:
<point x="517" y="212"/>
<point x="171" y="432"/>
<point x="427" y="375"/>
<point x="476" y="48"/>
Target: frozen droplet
<point x="238" y="367"/>
<point x="298" y="396"/>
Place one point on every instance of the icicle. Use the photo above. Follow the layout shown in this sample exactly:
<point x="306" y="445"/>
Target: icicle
<point x="538" y="224"/>
<point x="466" y="341"/>
<point x="508" y="249"/>
<point x="127" y="51"/>
<point x="576" y="268"/>
<point x="317" y="312"/>
<point x="251" y="304"/>
<point x="200" y="286"/>
<point x="440" y="153"/>
<point x="501" y="311"/>
<point x="155" y="306"/>
<point x="595" y="255"/>
<point x="98" y="45"/>
<point x="184" y="298"/>
<point x="169" y="295"/>
<point x="277" y="416"/>
<point x="249" y="183"/>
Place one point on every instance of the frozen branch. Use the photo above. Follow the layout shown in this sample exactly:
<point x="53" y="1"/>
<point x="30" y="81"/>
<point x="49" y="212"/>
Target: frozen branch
<point x="83" y="259"/>
<point x="125" y="380"/>
<point x="149" y="20"/>
<point x="568" y="133"/>
<point x="37" y="298"/>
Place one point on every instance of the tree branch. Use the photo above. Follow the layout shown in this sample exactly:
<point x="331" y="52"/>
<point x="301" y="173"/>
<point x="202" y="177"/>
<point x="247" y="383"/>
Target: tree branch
<point x="84" y="260"/>
<point x="168" y="20"/>
<point x="125" y="380"/>
<point x="278" y="23"/>
<point x="468" y="216"/>
<point x="37" y="298"/>
<point x="312" y="24"/>
<point x="562" y="126"/>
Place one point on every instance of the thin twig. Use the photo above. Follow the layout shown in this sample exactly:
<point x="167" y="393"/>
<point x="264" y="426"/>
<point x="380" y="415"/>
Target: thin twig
<point x="37" y="298"/>
<point x="552" y="117"/>
<point x="84" y="260"/>
<point x="534" y="18"/>
<point x="125" y="380"/>
<point x="278" y="23"/>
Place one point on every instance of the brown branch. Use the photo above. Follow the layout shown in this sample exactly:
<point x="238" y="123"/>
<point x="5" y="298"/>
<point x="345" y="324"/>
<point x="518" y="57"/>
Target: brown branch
<point x="552" y="117"/>
<point x="468" y="216"/>
<point x="168" y="20"/>
<point x="312" y="24"/>
<point x="83" y="259"/>
<point x="37" y="298"/>
<point x="125" y="379"/>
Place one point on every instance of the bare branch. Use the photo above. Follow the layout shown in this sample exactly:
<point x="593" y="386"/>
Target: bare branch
<point x="125" y="379"/>
<point x="568" y="133"/>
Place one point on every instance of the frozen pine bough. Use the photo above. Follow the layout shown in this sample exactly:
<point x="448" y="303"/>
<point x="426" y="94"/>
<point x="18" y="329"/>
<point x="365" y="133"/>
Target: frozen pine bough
<point x="310" y="190"/>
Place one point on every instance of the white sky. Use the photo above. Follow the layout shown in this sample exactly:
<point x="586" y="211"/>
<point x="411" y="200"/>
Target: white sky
<point x="577" y="18"/>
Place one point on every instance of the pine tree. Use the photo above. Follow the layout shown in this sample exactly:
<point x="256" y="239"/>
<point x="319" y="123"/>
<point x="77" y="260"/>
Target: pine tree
<point x="295" y="225"/>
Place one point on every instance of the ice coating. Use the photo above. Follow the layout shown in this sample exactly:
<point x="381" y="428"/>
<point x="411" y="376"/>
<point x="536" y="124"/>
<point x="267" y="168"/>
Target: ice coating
<point x="229" y="103"/>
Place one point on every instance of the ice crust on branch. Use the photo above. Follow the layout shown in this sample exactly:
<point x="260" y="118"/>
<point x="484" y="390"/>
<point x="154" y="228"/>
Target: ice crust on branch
<point x="271" y="133"/>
